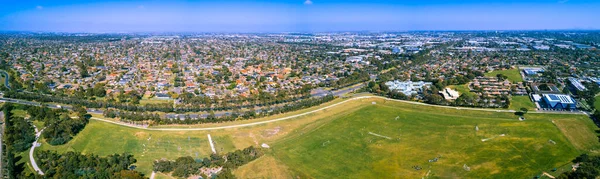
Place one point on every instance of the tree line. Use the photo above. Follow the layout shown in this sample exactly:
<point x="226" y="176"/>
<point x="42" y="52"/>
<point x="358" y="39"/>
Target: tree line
<point x="162" y="107"/>
<point x="76" y="165"/>
<point x="156" y="119"/>
<point x="18" y="137"/>
<point x="589" y="167"/>
<point x="59" y="127"/>
<point x="188" y="166"/>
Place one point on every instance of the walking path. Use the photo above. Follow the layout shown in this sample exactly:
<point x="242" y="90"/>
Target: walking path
<point x="31" y="158"/>
<point x="212" y="146"/>
<point x="317" y="110"/>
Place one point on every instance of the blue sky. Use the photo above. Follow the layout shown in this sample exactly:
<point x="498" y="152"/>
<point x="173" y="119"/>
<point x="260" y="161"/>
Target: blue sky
<point x="297" y="15"/>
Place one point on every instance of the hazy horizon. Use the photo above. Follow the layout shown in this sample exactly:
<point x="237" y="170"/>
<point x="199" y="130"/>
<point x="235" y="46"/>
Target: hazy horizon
<point x="97" y="16"/>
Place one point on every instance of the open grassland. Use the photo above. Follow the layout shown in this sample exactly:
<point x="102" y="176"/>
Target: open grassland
<point x="518" y="102"/>
<point x="513" y="74"/>
<point x="264" y="167"/>
<point x="104" y="138"/>
<point x="371" y="143"/>
<point x="336" y="143"/>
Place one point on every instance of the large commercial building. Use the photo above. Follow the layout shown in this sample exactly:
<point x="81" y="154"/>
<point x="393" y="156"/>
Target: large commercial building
<point x="559" y="101"/>
<point x="532" y="71"/>
<point x="576" y="84"/>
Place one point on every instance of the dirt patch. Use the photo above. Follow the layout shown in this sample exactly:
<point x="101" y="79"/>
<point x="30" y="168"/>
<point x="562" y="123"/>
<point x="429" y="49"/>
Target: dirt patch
<point x="140" y="134"/>
<point x="271" y="132"/>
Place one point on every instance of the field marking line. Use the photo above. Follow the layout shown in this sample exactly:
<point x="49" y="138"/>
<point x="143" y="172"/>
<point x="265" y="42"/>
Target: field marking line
<point x="379" y="135"/>
<point x="304" y="114"/>
<point x="212" y="146"/>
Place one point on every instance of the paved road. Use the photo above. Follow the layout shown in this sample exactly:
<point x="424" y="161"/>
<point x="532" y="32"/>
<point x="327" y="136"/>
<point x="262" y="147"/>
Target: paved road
<point x="339" y="93"/>
<point x="31" y="158"/>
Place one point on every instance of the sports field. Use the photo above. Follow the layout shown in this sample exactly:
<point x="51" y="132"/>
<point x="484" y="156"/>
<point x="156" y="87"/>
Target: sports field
<point x="361" y="139"/>
<point x="513" y="74"/>
<point x="384" y="141"/>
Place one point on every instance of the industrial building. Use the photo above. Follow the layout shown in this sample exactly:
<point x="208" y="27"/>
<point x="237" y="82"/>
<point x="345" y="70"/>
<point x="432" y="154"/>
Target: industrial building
<point x="576" y="84"/>
<point x="532" y="71"/>
<point x="559" y="101"/>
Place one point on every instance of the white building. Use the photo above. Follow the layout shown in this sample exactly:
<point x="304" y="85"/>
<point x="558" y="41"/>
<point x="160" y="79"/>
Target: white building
<point x="449" y="94"/>
<point x="407" y="87"/>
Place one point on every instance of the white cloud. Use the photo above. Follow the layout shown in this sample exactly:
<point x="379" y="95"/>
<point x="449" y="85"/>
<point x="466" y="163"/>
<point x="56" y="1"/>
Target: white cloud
<point x="39" y="7"/>
<point x="307" y="2"/>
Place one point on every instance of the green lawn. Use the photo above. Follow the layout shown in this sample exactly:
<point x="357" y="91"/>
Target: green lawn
<point x="336" y="143"/>
<point x="597" y="103"/>
<point x="145" y="101"/>
<point x="462" y="89"/>
<point x="513" y="74"/>
<point x="518" y="102"/>
<point x="2" y="80"/>
<point x="347" y="147"/>
<point x="104" y="139"/>
<point x="19" y="112"/>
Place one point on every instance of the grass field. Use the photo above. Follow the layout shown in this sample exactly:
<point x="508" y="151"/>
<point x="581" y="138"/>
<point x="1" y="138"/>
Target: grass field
<point x="513" y="74"/>
<point x="336" y="143"/>
<point x="145" y="101"/>
<point x="518" y="102"/>
<point x="348" y="146"/>
<point x="2" y="80"/>
<point x="597" y="103"/>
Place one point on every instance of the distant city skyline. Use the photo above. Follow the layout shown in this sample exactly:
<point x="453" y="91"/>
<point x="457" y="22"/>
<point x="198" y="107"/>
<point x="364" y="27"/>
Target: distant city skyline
<point x="297" y="15"/>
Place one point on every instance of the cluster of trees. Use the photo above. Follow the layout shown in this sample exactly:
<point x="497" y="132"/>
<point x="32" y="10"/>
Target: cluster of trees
<point x="351" y="79"/>
<point x="432" y="96"/>
<point x="193" y="103"/>
<point x="154" y="118"/>
<point x="187" y="166"/>
<point x="76" y="165"/>
<point x="60" y="128"/>
<point x="18" y="137"/>
<point x="97" y="91"/>
<point x="589" y="167"/>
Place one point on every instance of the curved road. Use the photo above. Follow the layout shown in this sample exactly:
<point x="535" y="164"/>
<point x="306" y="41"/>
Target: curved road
<point x="31" y="158"/>
<point x="313" y="111"/>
